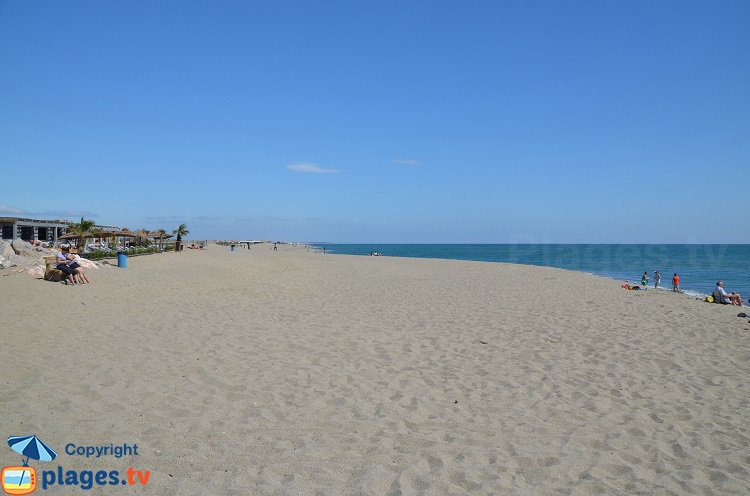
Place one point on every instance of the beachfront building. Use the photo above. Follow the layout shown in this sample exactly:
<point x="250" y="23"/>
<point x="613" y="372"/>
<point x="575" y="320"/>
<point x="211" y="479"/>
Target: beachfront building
<point x="32" y="229"/>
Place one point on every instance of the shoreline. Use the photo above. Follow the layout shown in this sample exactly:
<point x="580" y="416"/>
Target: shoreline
<point x="615" y="275"/>
<point x="688" y="293"/>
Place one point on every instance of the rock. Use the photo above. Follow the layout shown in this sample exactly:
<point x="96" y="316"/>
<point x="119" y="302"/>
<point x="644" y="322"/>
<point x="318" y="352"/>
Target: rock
<point x="6" y="249"/>
<point x="25" y="262"/>
<point x="54" y="275"/>
<point x="86" y="264"/>
<point x="24" y="249"/>
<point x="37" y="271"/>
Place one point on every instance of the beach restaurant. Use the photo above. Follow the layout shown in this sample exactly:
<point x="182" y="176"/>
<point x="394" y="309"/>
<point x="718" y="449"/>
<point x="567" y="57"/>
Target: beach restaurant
<point x="31" y="229"/>
<point x="41" y="230"/>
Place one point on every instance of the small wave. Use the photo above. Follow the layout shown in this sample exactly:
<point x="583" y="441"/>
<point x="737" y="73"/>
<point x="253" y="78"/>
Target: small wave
<point x="694" y="293"/>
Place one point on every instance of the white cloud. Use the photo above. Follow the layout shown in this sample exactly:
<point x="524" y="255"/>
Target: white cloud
<point x="64" y="214"/>
<point x="7" y="209"/>
<point x="406" y="161"/>
<point x="46" y="214"/>
<point x="311" y="168"/>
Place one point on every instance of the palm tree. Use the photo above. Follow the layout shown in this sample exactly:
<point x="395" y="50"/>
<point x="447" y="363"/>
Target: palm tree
<point x="142" y="236"/>
<point x="180" y="232"/>
<point x="81" y="229"/>
<point x="162" y="235"/>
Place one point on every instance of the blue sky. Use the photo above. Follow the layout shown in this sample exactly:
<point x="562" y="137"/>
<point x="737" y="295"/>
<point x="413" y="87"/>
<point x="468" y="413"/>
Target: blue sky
<point x="388" y="121"/>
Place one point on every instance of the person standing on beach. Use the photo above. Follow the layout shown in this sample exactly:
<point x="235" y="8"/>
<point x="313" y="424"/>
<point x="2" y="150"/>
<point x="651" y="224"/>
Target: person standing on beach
<point x="644" y="279"/>
<point x="676" y="283"/>
<point x="657" y="279"/>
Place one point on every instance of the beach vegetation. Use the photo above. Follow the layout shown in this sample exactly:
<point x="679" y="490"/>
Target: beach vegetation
<point x="81" y="229"/>
<point x="131" y="251"/>
<point x="163" y="235"/>
<point x="181" y="232"/>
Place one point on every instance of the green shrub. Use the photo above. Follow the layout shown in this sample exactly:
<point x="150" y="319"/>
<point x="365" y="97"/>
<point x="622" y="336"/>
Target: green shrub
<point x="133" y="250"/>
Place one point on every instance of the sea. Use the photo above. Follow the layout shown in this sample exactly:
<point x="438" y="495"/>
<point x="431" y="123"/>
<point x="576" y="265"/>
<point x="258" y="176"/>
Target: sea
<point x="699" y="266"/>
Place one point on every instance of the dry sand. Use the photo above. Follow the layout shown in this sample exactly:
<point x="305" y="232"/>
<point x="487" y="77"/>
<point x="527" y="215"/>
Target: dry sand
<point x="294" y="372"/>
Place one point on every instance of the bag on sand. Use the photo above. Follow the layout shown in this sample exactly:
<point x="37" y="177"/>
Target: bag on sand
<point x="709" y="299"/>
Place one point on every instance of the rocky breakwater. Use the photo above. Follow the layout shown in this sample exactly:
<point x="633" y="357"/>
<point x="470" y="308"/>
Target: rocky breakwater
<point x="19" y="256"/>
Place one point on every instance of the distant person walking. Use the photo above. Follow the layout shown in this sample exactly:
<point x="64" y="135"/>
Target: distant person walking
<point x="644" y="279"/>
<point x="657" y="279"/>
<point x="676" y="283"/>
<point x="274" y="247"/>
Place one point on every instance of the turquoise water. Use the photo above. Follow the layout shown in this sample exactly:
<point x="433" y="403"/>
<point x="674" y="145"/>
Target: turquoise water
<point x="699" y="266"/>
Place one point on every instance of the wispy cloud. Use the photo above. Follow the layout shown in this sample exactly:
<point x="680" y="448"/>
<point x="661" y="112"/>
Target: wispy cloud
<point x="165" y="218"/>
<point x="57" y="214"/>
<point x="184" y="219"/>
<point x="8" y="210"/>
<point x="311" y="168"/>
<point x="406" y="161"/>
<point x="64" y="214"/>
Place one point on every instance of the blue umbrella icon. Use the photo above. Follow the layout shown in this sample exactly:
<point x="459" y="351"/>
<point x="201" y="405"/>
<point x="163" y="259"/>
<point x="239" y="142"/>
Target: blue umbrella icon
<point x="31" y="447"/>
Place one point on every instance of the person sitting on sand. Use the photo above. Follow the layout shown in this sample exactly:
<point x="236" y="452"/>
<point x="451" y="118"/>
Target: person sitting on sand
<point x="62" y="265"/>
<point x="721" y="296"/>
<point x="78" y="271"/>
<point x="78" y="275"/>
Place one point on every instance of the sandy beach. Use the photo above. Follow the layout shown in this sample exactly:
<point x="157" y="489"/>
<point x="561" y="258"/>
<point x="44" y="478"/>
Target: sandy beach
<point x="294" y="372"/>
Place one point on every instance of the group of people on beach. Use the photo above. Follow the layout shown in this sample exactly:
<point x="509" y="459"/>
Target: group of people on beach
<point x="657" y="280"/>
<point x="72" y="270"/>
<point x="719" y="295"/>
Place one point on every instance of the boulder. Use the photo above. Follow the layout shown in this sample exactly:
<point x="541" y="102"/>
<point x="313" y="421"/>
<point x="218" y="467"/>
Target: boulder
<point x="24" y="249"/>
<point x="6" y="249"/>
<point x="54" y="275"/>
<point x="86" y="263"/>
<point x="21" y="261"/>
<point x="36" y="271"/>
<point x="17" y="264"/>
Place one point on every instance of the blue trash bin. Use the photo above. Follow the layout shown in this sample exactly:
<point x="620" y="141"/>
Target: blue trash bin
<point x="122" y="260"/>
<point x="234" y="248"/>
